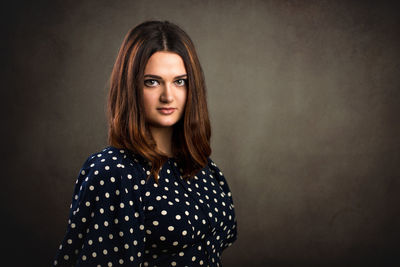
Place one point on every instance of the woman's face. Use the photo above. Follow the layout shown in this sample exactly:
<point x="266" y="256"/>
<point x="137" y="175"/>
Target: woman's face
<point x="164" y="89"/>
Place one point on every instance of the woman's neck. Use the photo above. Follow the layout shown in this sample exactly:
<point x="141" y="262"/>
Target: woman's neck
<point x="163" y="138"/>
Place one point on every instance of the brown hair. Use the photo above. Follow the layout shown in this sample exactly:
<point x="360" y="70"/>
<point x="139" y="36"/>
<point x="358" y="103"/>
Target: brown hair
<point x="127" y="126"/>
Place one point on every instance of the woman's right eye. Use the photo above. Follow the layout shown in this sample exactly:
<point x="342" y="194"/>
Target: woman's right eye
<point x="150" y="83"/>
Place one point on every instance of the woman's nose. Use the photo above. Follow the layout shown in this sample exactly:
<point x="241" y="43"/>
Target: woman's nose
<point x="166" y="94"/>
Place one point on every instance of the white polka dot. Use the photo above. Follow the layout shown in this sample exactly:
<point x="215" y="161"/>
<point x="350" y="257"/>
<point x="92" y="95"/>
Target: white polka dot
<point x="170" y="228"/>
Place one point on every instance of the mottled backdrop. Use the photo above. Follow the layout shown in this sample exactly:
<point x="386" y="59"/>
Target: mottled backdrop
<point x="304" y="101"/>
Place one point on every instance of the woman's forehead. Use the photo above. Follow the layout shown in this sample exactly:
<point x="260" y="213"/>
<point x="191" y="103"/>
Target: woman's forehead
<point x="166" y="64"/>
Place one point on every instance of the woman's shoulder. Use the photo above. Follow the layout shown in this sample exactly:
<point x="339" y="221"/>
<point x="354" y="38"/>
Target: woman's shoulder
<point x="213" y="166"/>
<point x="114" y="158"/>
<point x="110" y="165"/>
<point x="217" y="173"/>
<point x="110" y="154"/>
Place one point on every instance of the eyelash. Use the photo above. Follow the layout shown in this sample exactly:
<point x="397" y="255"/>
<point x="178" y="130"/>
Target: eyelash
<point x="146" y="82"/>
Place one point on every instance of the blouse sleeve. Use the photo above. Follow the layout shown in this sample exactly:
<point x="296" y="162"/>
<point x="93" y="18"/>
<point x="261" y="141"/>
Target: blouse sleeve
<point x="106" y="222"/>
<point x="219" y="176"/>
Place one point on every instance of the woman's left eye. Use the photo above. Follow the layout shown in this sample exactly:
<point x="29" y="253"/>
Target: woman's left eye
<point x="180" y="82"/>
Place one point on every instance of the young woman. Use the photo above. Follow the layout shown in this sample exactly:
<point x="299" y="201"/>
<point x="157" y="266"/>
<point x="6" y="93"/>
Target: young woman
<point x="153" y="197"/>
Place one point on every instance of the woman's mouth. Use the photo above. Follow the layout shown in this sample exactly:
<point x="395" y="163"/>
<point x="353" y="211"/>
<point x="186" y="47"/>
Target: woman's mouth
<point x="166" y="111"/>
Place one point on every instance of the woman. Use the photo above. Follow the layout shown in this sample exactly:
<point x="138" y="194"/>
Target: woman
<point x="153" y="197"/>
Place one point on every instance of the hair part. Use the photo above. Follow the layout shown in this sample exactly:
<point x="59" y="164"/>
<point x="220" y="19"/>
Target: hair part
<point x="125" y="109"/>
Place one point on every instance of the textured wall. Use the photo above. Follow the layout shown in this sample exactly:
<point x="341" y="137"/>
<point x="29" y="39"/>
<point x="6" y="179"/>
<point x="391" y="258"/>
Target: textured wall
<point x="304" y="101"/>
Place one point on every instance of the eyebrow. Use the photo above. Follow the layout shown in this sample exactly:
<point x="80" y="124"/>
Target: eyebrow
<point x="159" y="77"/>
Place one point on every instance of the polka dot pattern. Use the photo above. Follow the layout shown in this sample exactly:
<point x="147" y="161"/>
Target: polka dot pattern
<point x="118" y="218"/>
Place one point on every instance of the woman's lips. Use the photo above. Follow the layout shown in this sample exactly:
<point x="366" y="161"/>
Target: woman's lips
<point x="166" y="111"/>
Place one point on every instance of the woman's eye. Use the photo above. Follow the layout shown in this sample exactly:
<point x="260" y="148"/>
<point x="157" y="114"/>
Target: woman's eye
<point x="150" y="82"/>
<point x="180" y="82"/>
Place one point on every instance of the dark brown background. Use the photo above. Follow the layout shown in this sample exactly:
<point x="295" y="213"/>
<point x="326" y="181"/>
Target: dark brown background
<point x="304" y="101"/>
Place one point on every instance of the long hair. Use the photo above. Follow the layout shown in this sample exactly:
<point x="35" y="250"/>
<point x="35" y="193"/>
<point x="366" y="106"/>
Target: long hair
<point x="125" y="109"/>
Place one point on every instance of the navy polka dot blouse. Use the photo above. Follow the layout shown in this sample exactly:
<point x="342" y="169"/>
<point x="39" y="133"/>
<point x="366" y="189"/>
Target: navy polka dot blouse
<point x="118" y="218"/>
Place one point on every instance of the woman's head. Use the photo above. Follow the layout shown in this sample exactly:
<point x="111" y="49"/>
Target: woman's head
<point x="164" y="90"/>
<point x="129" y="123"/>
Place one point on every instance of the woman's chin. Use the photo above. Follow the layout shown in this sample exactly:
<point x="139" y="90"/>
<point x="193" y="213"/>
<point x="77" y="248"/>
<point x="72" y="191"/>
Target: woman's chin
<point x="164" y="124"/>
